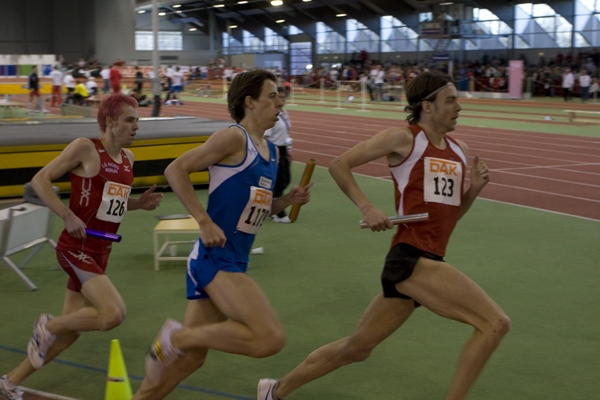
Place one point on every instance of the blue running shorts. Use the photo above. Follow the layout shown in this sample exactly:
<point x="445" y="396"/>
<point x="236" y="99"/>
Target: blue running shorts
<point x="201" y="272"/>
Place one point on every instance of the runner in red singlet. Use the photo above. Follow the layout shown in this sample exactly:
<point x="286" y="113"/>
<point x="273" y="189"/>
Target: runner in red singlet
<point x="428" y="169"/>
<point x="101" y="174"/>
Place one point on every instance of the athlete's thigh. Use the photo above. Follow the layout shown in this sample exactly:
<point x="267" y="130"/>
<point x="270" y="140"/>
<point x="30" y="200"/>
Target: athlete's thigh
<point x="74" y="301"/>
<point x="197" y="313"/>
<point x="102" y="294"/>
<point x="381" y="318"/>
<point x="238" y="297"/>
<point x="449" y="293"/>
<point x="202" y="312"/>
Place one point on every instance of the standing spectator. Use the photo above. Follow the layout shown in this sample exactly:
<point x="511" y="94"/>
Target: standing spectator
<point x="57" y="80"/>
<point x="594" y="89"/>
<point x="105" y="74"/>
<point x="227" y="73"/>
<point x="365" y="84"/>
<point x="334" y="76"/>
<point x="548" y="87"/>
<point x="373" y="88"/>
<point x="567" y="84"/>
<point x="279" y="135"/>
<point x="584" y="82"/>
<point x="379" y="81"/>
<point x="69" y="82"/>
<point x="176" y="87"/>
<point x="569" y="59"/>
<point x="363" y="56"/>
<point x="92" y="87"/>
<point x="139" y="80"/>
<point x="35" y="103"/>
<point x="169" y="74"/>
<point x="115" y="79"/>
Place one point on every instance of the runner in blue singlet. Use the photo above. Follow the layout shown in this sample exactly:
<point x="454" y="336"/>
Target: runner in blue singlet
<point x="226" y="309"/>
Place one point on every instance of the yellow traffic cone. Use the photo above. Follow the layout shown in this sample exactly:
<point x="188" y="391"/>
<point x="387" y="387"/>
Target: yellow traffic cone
<point x="117" y="383"/>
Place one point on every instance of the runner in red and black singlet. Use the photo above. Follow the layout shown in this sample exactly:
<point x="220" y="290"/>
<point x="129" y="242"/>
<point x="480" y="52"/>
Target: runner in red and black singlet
<point x="428" y="169"/>
<point x="444" y="170"/>
<point x="100" y="201"/>
<point x="101" y="172"/>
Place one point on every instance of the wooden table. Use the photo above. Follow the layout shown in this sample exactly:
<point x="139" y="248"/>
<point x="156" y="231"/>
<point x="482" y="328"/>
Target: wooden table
<point x="94" y="103"/>
<point x="9" y="106"/>
<point x="163" y="245"/>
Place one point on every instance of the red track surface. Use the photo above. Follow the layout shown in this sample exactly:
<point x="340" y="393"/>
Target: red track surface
<point x="551" y="172"/>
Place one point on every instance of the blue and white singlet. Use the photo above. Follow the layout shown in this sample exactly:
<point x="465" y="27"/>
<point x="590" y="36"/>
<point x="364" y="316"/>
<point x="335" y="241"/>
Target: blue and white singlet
<point x="239" y="200"/>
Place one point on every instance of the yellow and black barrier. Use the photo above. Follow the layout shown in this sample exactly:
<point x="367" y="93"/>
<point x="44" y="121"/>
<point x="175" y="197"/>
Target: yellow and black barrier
<point x="18" y="164"/>
<point x="21" y="88"/>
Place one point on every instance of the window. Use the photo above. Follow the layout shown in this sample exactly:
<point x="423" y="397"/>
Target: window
<point x="360" y="37"/>
<point x="587" y="23"/>
<point x="293" y="30"/>
<point x="329" y="41"/>
<point x="231" y="45"/>
<point x="538" y="25"/>
<point x="487" y="23"/>
<point x="144" y="41"/>
<point x="274" y="42"/>
<point x="300" y="57"/>
<point x="252" y="44"/>
<point x="396" y="36"/>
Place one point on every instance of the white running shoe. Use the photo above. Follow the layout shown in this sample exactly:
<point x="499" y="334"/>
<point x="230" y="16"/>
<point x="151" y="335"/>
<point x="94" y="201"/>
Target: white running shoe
<point x="162" y="353"/>
<point x="40" y="341"/>
<point x="281" y="220"/>
<point x="8" y="391"/>
<point x="265" y="389"/>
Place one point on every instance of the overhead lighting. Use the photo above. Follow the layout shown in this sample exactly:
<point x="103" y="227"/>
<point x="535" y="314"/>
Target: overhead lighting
<point x="340" y="15"/>
<point x="276" y="2"/>
<point x="307" y="1"/>
<point x="279" y="21"/>
<point x="446" y="4"/>
<point x="179" y="11"/>
<point x="176" y="5"/>
<point x="219" y="5"/>
<point x="243" y="2"/>
<point x="141" y="11"/>
<point x="232" y="26"/>
<point x="193" y="29"/>
<point x="162" y="13"/>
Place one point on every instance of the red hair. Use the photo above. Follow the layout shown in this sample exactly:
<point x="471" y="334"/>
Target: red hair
<point x="112" y="106"/>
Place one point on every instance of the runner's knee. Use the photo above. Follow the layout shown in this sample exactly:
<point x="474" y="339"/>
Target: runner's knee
<point x="268" y="344"/>
<point x="498" y="326"/>
<point x="113" y="319"/>
<point x="351" y="353"/>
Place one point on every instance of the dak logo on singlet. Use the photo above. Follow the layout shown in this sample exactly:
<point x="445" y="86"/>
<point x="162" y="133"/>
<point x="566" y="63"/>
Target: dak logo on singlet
<point x="256" y="211"/>
<point x="442" y="181"/>
<point x="114" y="202"/>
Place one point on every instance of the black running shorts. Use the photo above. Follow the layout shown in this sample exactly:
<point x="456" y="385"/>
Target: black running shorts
<point x="399" y="265"/>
